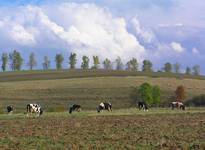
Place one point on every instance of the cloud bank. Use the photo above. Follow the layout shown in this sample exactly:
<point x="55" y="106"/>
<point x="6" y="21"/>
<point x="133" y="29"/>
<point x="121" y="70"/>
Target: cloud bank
<point x="82" y="28"/>
<point x="159" y="32"/>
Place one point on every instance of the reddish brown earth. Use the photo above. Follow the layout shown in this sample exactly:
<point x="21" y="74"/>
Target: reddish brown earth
<point x="176" y="131"/>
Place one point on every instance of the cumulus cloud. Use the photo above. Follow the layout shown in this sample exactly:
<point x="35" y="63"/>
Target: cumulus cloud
<point x="177" y="47"/>
<point x="20" y="35"/>
<point x="84" y="28"/>
<point x="147" y="35"/>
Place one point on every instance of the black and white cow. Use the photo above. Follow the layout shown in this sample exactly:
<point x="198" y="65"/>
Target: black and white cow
<point x="104" y="106"/>
<point x="34" y="108"/>
<point x="142" y="106"/>
<point x="179" y="105"/>
<point x="10" y="109"/>
<point x="75" y="107"/>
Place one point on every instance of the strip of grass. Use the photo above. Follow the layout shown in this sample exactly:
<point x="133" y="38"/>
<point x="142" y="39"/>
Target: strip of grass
<point x="78" y="73"/>
<point x="117" y="112"/>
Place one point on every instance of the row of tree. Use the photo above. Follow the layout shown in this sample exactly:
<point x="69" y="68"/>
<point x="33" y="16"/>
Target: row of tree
<point x="16" y="61"/>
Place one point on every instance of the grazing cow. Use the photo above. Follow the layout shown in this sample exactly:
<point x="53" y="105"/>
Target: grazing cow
<point x="75" y="107"/>
<point x="179" y="105"/>
<point x="104" y="106"/>
<point x="10" y="109"/>
<point x="143" y="105"/>
<point x="34" y="108"/>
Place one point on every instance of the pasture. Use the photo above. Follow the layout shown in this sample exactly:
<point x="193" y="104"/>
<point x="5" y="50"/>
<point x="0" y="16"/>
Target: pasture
<point x="56" y="94"/>
<point x="120" y="129"/>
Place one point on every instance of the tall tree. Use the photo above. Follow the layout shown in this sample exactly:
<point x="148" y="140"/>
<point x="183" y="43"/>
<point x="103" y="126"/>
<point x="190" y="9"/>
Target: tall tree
<point x="180" y="93"/>
<point x="4" y="59"/>
<point x="46" y="63"/>
<point x="196" y="70"/>
<point x="32" y="61"/>
<point x="107" y="64"/>
<point x="59" y="60"/>
<point x="188" y="71"/>
<point x="176" y="68"/>
<point x="72" y="60"/>
<point x="85" y="62"/>
<point x="119" y="64"/>
<point x="147" y="66"/>
<point x="96" y="62"/>
<point x="168" y="67"/>
<point x="16" y="60"/>
<point x="132" y="65"/>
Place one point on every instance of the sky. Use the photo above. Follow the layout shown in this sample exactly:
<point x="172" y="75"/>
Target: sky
<point x="158" y="30"/>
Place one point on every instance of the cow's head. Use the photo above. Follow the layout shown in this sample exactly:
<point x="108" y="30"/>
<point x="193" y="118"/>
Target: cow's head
<point x="98" y="109"/>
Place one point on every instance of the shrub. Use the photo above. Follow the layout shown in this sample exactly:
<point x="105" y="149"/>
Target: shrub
<point x="196" y="101"/>
<point x="147" y="93"/>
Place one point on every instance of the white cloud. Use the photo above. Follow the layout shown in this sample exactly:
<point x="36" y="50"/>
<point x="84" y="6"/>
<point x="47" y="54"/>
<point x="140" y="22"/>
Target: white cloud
<point x="83" y="28"/>
<point x="20" y="35"/>
<point x="195" y="50"/>
<point x="146" y="34"/>
<point x="177" y="47"/>
<point x="171" y="25"/>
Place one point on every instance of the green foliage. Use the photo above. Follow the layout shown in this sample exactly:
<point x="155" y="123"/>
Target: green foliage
<point x="32" y="61"/>
<point x="59" y="60"/>
<point x="145" y="93"/>
<point x="46" y="63"/>
<point x="4" y="59"/>
<point x="85" y="62"/>
<point x="72" y="60"/>
<point x="156" y="95"/>
<point x="168" y="67"/>
<point x="132" y="65"/>
<point x="96" y="62"/>
<point x="147" y="66"/>
<point x="16" y="60"/>
<point x="107" y="64"/>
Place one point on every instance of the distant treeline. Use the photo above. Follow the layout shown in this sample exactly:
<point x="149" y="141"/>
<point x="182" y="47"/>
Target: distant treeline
<point x="15" y="61"/>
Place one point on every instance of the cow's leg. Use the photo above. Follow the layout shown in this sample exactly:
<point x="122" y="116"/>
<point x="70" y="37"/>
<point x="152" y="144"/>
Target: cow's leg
<point x="172" y="106"/>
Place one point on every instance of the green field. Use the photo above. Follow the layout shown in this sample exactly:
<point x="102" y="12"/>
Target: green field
<point x="55" y="90"/>
<point x="120" y="129"/>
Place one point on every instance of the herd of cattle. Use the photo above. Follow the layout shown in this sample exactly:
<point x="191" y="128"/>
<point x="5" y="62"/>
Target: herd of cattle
<point x="35" y="108"/>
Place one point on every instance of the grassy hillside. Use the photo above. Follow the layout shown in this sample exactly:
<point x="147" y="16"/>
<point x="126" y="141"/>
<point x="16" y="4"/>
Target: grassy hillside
<point x="67" y="74"/>
<point x="55" y="90"/>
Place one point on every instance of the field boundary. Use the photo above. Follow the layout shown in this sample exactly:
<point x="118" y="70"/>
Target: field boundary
<point x="118" y="112"/>
<point x="78" y="73"/>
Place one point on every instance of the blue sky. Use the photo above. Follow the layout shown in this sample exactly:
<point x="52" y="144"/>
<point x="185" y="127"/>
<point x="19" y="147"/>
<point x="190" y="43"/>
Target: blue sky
<point x="159" y="30"/>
